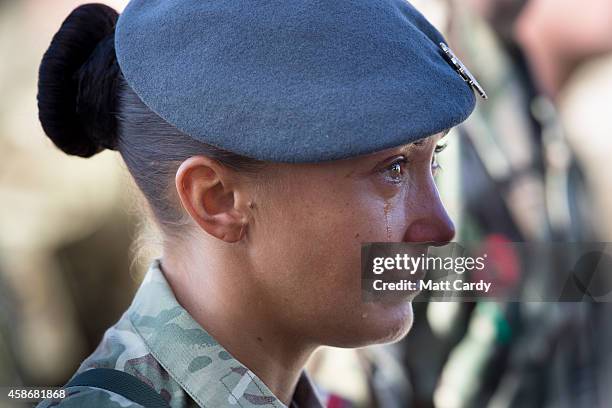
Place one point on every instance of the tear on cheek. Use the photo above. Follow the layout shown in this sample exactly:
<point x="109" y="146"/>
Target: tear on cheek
<point x="386" y="211"/>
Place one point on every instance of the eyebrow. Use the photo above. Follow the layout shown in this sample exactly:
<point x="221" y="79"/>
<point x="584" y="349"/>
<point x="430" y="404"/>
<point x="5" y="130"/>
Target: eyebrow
<point x="420" y="142"/>
<point x="404" y="148"/>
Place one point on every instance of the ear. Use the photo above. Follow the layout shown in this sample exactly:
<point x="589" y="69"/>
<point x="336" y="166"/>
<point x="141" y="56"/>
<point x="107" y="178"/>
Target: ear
<point x="207" y="191"/>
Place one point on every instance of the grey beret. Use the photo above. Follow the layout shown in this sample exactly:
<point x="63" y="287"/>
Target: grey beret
<point x="292" y="80"/>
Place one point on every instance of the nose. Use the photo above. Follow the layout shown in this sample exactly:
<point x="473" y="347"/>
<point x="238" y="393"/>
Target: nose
<point x="430" y="222"/>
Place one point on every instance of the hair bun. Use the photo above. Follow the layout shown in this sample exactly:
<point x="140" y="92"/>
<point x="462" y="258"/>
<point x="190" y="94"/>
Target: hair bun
<point x="77" y="82"/>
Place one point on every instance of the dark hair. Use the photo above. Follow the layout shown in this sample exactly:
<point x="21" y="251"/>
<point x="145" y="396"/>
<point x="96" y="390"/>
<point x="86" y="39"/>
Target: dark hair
<point x="85" y="106"/>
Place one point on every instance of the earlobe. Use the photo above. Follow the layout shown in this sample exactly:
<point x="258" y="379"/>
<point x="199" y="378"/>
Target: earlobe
<point x="207" y="192"/>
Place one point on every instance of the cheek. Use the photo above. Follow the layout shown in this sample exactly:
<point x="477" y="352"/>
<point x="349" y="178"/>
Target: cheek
<point x="318" y="241"/>
<point x="310" y="243"/>
<point x="310" y="260"/>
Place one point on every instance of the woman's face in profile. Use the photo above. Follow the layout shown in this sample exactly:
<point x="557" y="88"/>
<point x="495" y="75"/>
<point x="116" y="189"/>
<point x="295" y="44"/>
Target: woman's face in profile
<point x="306" y="235"/>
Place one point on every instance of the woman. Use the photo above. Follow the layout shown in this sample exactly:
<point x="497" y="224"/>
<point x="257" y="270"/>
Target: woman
<point x="270" y="139"/>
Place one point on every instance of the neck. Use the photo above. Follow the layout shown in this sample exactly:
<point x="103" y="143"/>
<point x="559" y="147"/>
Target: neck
<point x="549" y="65"/>
<point x="218" y="292"/>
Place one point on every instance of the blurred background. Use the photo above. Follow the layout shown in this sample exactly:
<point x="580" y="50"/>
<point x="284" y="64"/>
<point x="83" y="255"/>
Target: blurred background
<point x="529" y="165"/>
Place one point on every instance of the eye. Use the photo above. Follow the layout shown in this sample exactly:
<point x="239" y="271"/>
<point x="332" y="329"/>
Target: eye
<point x="396" y="171"/>
<point x="440" y="147"/>
<point x="435" y="165"/>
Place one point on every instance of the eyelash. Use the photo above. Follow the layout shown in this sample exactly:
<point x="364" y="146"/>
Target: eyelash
<point x="403" y="161"/>
<point x="440" y="147"/>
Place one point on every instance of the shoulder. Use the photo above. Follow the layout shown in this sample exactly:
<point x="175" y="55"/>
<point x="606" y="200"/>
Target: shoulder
<point x="122" y="349"/>
<point x="78" y="397"/>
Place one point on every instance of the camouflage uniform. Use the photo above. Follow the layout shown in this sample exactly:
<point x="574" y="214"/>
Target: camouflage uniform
<point x="157" y="341"/>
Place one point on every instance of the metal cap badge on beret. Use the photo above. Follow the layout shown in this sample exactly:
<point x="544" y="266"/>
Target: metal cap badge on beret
<point x="292" y="80"/>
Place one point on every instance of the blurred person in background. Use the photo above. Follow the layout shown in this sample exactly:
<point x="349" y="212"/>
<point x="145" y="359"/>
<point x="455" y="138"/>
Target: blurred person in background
<point x="516" y="157"/>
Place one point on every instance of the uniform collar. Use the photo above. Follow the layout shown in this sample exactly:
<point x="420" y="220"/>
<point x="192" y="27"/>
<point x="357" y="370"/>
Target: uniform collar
<point x="207" y="372"/>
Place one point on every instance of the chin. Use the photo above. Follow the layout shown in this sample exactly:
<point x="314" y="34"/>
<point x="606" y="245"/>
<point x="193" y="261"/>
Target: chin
<point x="378" y="323"/>
<point x="390" y="322"/>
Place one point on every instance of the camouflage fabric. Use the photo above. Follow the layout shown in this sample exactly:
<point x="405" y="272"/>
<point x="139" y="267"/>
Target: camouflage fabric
<point x="157" y="341"/>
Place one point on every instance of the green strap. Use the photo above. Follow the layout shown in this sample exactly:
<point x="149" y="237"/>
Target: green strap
<point x="120" y="383"/>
